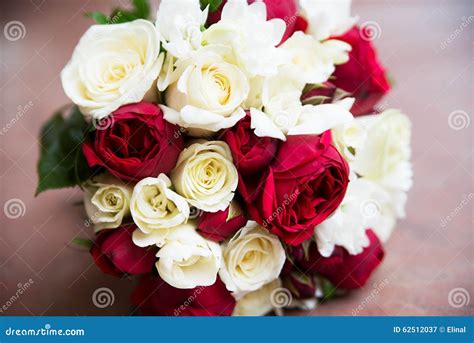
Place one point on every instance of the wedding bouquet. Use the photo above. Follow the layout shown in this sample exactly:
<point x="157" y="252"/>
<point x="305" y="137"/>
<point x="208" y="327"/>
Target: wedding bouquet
<point x="231" y="152"/>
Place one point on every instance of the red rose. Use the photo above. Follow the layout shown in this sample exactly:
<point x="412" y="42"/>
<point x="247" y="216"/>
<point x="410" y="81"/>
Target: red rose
<point x="115" y="253"/>
<point x="342" y="269"/>
<point x="304" y="185"/>
<point x="362" y="75"/>
<point x="219" y="225"/>
<point x="286" y="10"/>
<point x="154" y="297"/>
<point x="138" y="143"/>
<point x="251" y="153"/>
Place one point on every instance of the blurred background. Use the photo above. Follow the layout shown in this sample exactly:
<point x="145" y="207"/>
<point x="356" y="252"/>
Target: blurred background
<point x="426" y="46"/>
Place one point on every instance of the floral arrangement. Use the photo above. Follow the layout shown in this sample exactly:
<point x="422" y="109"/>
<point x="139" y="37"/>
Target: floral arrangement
<point x="231" y="153"/>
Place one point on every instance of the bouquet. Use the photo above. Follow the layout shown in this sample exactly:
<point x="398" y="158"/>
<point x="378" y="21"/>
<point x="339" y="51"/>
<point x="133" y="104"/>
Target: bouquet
<point x="231" y="153"/>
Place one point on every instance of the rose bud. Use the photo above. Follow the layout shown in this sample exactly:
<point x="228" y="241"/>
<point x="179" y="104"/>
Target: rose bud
<point x="220" y="225"/>
<point x="363" y="76"/>
<point x="342" y="269"/>
<point x="323" y="93"/>
<point x="302" y="286"/>
<point x="251" y="153"/>
<point x="115" y="253"/>
<point x="287" y="10"/>
<point x="304" y="185"/>
<point x="135" y="142"/>
<point x="154" y="297"/>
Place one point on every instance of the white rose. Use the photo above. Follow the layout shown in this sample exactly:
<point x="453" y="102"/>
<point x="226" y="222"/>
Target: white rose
<point x="349" y="138"/>
<point x="327" y="17"/>
<point x="205" y="175"/>
<point x="259" y="302"/>
<point x="209" y="93"/>
<point x="312" y="61"/>
<point x="188" y="260"/>
<point x="251" y="258"/>
<point x="179" y="24"/>
<point x="106" y="201"/>
<point x="283" y="113"/>
<point x="253" y="39"/>
<point x="365" y="205"/>
<point x="156" y="209"/>
<point x="113" y="65"/>
<point x="385" y="155"/>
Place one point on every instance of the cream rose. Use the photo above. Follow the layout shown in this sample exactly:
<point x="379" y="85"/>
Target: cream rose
<point x="113" y="65"/>
<point x="252" y="258"/>
<point x="188" y="260"/>
<point x="208" y="94"/>
<point x="259" y="302"/>
<point x="106" y="201"/>
<point x="156" y="209"/>
<point x="205" y="175"/>
<point x="385" y="155"/>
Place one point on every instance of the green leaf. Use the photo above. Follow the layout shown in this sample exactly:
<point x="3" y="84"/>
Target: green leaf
<point x="62" y="163"/>
<point x="140" y="10"/>
<point x="82" y="243"/>
<point x="391" y="80"/>
<point x="329" y="290"/>
<point x="213" y="4"/>
<point x="99" y="18"/>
